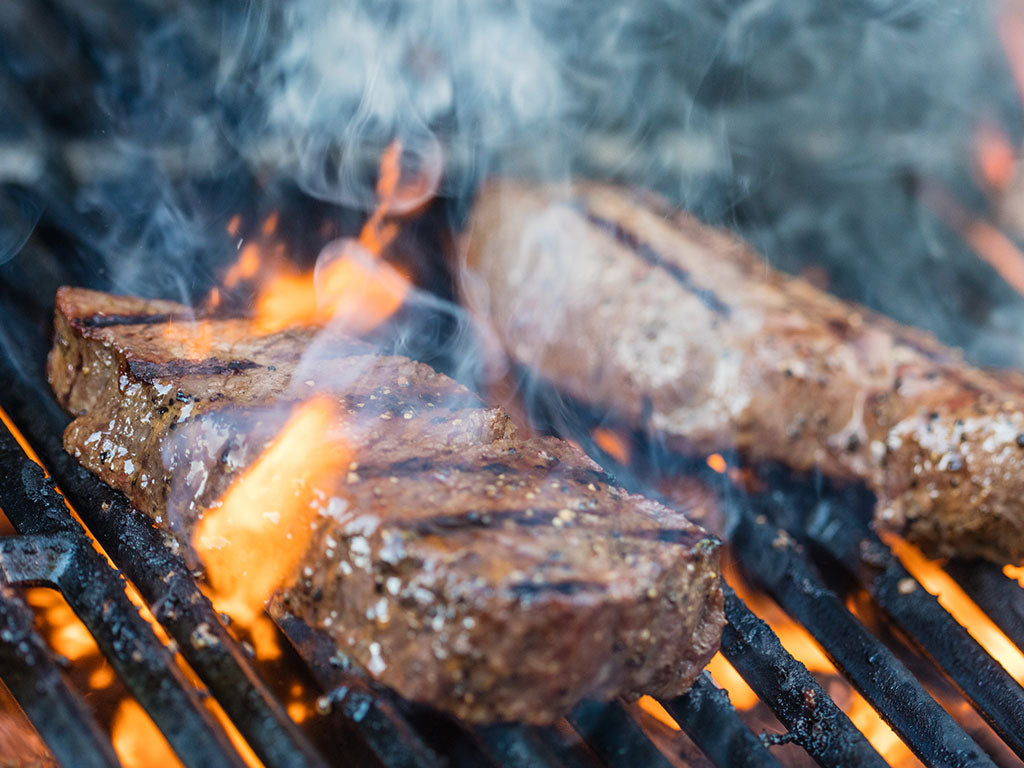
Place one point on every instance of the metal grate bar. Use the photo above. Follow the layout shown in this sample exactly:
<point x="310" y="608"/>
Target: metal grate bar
<point x="998" y="596"/>
<point x="96" y="594"/>
<point x="357" y="708"/>
<point x="989" y="687"/>
<point x="31" y="675"/>
<point x="715" y="726"/>
<point x="615" y="736"/>
<point x="167" y="586"/>
<point x="782" y="682"/>
<point x="772" y="558"/>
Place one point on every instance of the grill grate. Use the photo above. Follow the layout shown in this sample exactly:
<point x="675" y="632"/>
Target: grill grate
<point x="374" y="726"/>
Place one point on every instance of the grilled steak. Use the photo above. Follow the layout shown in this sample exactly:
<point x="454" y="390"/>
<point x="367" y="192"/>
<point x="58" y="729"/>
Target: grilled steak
<point x="497" y="578"/>
<point x="685" y="332"/>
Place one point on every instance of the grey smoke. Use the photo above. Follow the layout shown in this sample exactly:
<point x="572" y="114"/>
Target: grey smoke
<point x="806" y="126"/>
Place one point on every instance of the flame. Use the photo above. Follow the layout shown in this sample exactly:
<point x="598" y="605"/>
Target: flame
<point x="653" y="708"/>
<point x="269" y="226"/>
<point x="136" y="740"/>
<point x="234" y="224"/>
<point x="960" y="606"/>
<point x="611" y="443"/>
<point x="351" y="284"/>
<point x="1014" y="572"/>
<point x="984" y="238"/>
<point x="246" y="267"/>
<point x="68" y="636"/>
<point x="741" y="695"/>
<point x="995" y="158"/>
<point x="717" y="463"/>
<point x="802" y="646"/>
<point x="253" y="539"/>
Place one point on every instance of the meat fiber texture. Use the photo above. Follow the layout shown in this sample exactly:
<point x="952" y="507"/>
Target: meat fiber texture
<point x="620" y="301"/>
<point x="495" y="578"/>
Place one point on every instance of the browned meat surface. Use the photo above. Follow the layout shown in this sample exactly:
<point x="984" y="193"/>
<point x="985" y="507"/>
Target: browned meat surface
<point x="687" y="333"/>
<point x="497" y="578"/>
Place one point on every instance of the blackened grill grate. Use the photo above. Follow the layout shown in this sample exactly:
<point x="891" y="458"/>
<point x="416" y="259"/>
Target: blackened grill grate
<point x="772" y="540"/>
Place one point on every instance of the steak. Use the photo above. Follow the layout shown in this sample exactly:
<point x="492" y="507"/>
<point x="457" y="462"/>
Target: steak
<point x="621" y="302"/>
<point x="493" y="577"/>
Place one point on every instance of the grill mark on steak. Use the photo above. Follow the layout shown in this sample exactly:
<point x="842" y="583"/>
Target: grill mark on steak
<point x="793" y="375"/>
<point x="211" y="366"/>
<point x="437" y="525"/>
<point x="408" y="467"/>
<point x="533" y="589"/>
<point x="647" y="252"/>
<point x="109" y="321"/>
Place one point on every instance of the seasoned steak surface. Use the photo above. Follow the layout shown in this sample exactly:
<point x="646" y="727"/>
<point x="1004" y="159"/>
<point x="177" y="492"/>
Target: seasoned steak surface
<point x="497" y="578"/>
<point x="622" y="302"/>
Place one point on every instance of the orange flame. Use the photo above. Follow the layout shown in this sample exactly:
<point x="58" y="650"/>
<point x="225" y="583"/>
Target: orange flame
<point x="253" y="539"/>
<point x="984" y="238"/>
<point x="611" y="443"/>
<point x="960" y="606"/>
<point x="136" y="740"/>
<point x="717" y="463"/>
<point x="994" y="156"/>
<point x="351" y="284"/>
<point x="653" y="708"/>
<point x="803" y="647"/>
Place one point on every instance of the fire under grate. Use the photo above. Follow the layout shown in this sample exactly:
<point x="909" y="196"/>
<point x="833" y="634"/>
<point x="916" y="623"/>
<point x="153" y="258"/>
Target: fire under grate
<point x="780" y="541"/>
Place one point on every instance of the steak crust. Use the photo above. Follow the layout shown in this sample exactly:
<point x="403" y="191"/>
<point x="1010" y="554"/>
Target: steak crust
<point x="496" y="578"/>
<point x="620" y="301"/>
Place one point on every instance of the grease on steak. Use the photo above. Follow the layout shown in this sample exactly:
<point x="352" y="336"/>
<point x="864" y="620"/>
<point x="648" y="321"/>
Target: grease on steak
<point x="683" y="330"/>
<point x="496" y="578"/>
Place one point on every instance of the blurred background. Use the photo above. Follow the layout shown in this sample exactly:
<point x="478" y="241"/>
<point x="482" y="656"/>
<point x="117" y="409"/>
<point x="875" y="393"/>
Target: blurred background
<point x="871" y="146"/>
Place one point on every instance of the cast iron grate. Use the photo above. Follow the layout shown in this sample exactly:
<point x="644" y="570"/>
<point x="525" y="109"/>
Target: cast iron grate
<point x="779" y="540"/>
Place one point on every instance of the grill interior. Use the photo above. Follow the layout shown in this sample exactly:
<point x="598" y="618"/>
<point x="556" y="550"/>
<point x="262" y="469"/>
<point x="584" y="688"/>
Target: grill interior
<point x="806" y="545"/>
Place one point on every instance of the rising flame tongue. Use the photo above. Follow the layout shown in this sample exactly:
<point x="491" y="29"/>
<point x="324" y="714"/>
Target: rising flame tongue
<point x="351" y="284"/>
<point x="252" y="542"/>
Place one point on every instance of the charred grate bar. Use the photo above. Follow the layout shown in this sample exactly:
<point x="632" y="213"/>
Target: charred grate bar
<point x="1001" y="598"/>
<point x="706" y="715"/>
<point x="987" y="685"/>
<point x="163" y="580"/>
<point x="803" y="706"/>
<point x="615" y="736"/>
<point x="772" y="558"/>
<point x="32" y="676"/>
<point x="97" y="596"/>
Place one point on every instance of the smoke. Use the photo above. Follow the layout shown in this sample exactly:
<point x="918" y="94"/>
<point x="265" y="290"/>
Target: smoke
<point x="807" y="127"/>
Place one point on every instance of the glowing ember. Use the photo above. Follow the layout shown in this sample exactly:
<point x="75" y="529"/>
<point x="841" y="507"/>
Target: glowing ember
<point x="717" y="463"/>
<point x="611" y="443"/>
<point x="136" y="740"/>
<point x="962" y="608"/>
<point x="252" y="541"/>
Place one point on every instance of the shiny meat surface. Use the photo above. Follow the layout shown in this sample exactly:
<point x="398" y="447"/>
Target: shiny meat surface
<point x="496" y="578"/>
<point x="684" y="331"/>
